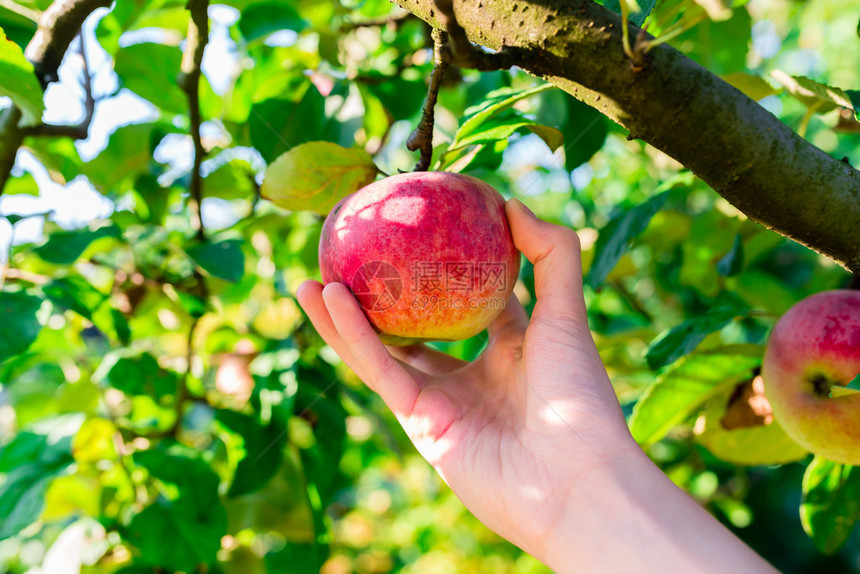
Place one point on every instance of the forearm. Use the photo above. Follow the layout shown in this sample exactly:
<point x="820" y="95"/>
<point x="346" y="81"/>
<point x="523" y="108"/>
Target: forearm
<point x="634" y="519"/>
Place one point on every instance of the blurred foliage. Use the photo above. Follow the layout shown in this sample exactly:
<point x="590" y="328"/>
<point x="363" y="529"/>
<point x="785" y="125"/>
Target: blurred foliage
<point x="165" y="406"/>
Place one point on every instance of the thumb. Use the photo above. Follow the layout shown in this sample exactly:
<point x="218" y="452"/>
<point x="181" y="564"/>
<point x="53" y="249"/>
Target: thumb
<point x="555" y="253"/>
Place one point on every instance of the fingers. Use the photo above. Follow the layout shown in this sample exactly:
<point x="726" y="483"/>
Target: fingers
<point x="341" y="322"/>
<point x="310" y="298"/>
<point x="555" y="253"/>
<point x="513" y="319"/>
<point x="428" y="360"/>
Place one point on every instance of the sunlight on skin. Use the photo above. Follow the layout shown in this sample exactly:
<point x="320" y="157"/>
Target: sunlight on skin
<point x="553" y="476"/>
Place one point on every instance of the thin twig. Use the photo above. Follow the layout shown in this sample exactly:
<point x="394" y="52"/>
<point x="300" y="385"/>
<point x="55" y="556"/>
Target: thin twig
<point x="189" y="81"/>
<point x="182" y="384"/>
<point x="58" y="26"/>
<point x="631" y="300"/>
<point x="81" y="130"/>
<point x="422" y="137"/>
<point x="11" y="137"/>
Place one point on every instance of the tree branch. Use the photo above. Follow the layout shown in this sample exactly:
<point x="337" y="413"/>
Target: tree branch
<point x="740" y="149"/>
<point x="189" y="81"/>
<point x="11" y="137"/>
<point x="467" y="55"/>
<point x="57" y="28"/>
<point x="422" y="137"/>
<point x="81" y="130"/>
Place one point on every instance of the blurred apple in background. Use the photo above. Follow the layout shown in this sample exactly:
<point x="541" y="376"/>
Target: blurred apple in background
<point x="233" y="377"/>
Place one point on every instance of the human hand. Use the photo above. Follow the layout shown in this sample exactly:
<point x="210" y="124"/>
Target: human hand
<point x="515" y="430"/>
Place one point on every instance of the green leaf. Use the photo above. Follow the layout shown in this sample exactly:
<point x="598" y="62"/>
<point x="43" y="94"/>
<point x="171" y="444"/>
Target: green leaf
<point x="854" y="96"/>
<point x="150" y="70"/>
<point x="679" y="391"/>
<point x="18" y="28"/>
<point x="31" y="462"/>
<point x="297" y="557"/>
<point x="615" y="237"/>
<point x="504" y="125"/>
<point x="585" y="129"/>
<point x="831" y="503"/>
<point x="23" y="184"/>
<point x="128" y="153"/>
<point x="19" y="326"/>
<point x="552" y="137"/>
<point x="74" y="293"/>
<point x="321" y="461"/>
<point x="814" y="95"/>
<point x="276" y="125"/>
<point x="732" y="262"/>
<point x="680" y="340"/>
<point x="223" y="259"/>
<point x="189" y="511"/>
<point x="495" y="103"/>
<point x="137" y="375"/>
<point x="753" y="86"/>
<point x="260" y="20"/>
<point x="59" y="156"/>
<point x="232" y="180"/>
<point x="193" y="305"/>
<point x="18" y="82"/>
<point x="721" y="47"/>
<point x="637" y="14"/>
<point x="264" y="450"/>
<point x="316" y="175"/>
<point x="64" y="247"/>
<point x="401" y="97"/>
<point x="126" y="16"/>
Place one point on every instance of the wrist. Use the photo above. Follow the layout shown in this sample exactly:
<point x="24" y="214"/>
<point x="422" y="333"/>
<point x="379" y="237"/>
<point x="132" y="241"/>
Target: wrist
<point x="628" y="516"/>
<point x="599" y="500"/>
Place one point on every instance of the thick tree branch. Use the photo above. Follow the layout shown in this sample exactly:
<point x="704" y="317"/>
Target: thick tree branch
<point x="740" y="149"/>
<point x="189" y="81"/>
<point x="11" y="137"/>
<point x="57" y="28"/>
<point x="467" y="55"/>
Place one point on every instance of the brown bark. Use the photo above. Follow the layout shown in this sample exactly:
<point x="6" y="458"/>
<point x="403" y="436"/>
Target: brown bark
<point x="58" y="26"/>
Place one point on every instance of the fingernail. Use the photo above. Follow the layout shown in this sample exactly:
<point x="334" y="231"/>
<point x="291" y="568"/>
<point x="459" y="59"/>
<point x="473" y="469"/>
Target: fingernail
<point x="522" y="206"/>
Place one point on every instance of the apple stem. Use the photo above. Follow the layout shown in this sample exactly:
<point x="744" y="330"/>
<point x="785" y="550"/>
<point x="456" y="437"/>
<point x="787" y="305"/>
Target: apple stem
<point x="821" y="384"/>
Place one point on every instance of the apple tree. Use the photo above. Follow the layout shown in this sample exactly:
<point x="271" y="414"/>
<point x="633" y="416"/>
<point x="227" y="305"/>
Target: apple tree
<point x="165" y="168"/>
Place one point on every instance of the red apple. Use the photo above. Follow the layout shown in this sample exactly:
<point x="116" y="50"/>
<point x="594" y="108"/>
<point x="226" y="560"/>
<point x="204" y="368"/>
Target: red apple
<point x="428" y="255"/>
<point x="813" y="351"/>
